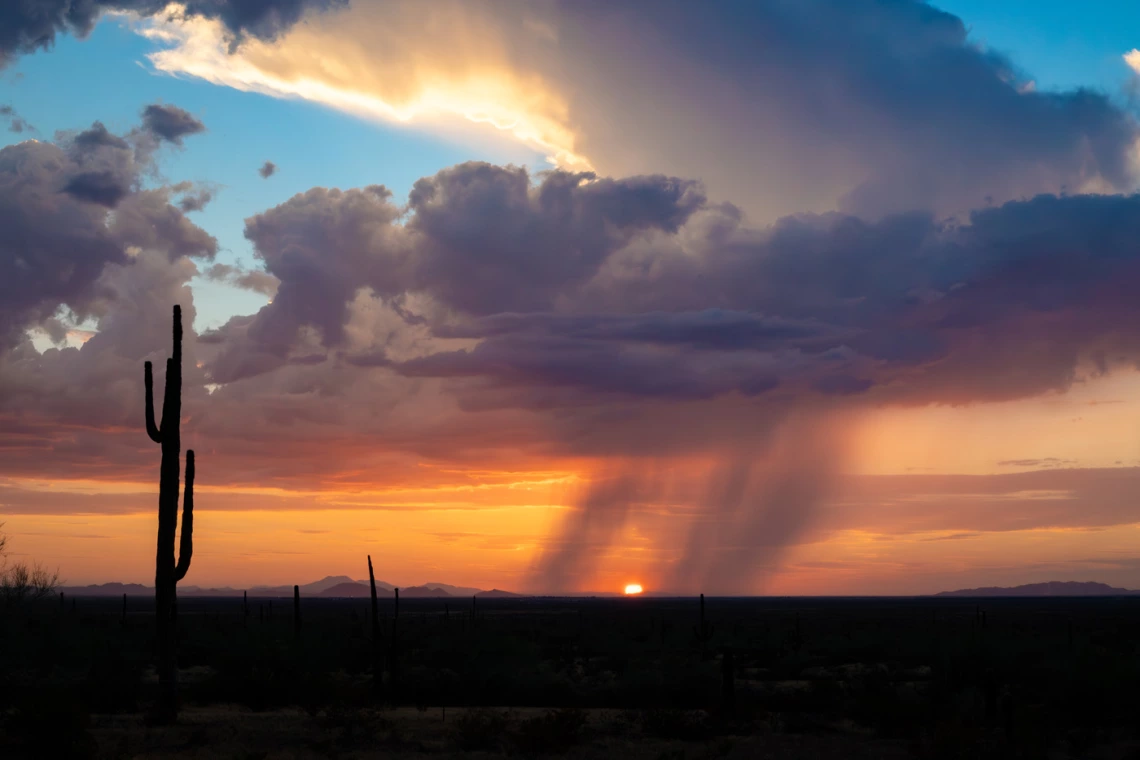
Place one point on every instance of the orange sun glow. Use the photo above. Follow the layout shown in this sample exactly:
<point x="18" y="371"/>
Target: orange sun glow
<point x="633" y="588"/>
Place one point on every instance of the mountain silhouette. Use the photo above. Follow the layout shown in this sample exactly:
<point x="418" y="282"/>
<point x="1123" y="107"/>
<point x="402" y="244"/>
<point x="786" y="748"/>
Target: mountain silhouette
<point x="332" y="586"/>
<point x="1050" y="588"/>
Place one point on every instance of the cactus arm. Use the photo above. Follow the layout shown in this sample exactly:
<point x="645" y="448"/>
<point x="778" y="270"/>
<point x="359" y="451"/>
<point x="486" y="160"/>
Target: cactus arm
<point x="151" y="428"/>
<point x="177" y="330"/>
<point x="167" y="402"/>
<point x="186" y="542"/>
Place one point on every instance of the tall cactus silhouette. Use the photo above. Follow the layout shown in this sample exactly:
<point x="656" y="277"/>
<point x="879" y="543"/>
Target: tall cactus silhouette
<point x="167" y="572"/>
<point x="377" y="658"/>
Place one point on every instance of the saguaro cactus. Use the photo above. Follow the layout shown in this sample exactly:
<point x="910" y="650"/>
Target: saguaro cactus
<point x="377" y="664"/>
<point x="167" y="572"/>
<point x="703" y="631"/>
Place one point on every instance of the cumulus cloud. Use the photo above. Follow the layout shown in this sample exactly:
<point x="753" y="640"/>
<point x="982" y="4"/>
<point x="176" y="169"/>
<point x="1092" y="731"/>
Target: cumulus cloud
<point x="640" y="288"/>
<point x="170" y="123"/>
<point x="31" y="25"/>
<point x="480" y="239"/>
<point x="868" y="107"/>
<point x="16" y="123"/>
<point x="195" y="196"/>
<point x="56" y="202"/>
<point x="267" y="170"/>
<point x="110" y="166"/>
<point x="249" y="279"/>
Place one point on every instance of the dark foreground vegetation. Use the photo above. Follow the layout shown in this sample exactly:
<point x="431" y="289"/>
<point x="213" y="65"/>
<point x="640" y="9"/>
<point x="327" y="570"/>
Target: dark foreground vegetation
<point x="925" y="678"/>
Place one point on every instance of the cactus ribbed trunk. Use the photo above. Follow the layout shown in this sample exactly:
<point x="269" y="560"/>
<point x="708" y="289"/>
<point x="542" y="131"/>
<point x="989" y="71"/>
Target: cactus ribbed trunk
<point x="167" y="572"/>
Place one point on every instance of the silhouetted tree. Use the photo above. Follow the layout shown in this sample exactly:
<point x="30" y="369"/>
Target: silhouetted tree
<point x="167" y="573"/>
<point x="20" y="582"/>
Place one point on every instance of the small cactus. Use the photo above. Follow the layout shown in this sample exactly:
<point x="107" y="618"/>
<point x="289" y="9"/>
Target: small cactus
<point x="297" y="611"/>
<point x="703" y="631"/>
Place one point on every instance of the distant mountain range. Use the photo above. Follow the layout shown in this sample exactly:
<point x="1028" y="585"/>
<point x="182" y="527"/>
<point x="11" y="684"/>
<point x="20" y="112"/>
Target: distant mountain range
<point x="332" y="587"/>
<point x="343" y="587"/>
<point x="1051" y="588"/>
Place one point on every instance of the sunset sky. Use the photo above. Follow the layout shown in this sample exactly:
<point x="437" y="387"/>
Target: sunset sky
<point x="771" y="297"/>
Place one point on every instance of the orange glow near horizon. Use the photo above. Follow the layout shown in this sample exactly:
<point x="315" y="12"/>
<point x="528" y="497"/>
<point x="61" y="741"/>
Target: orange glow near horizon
<point x="633" y="589"/>
<point x="479" y="525"/>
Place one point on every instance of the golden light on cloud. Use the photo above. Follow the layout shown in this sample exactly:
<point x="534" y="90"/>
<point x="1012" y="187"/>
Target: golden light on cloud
<point x="390" y="79"/>
<point x="633" y="589"/>
<point x="1133" y="60"/>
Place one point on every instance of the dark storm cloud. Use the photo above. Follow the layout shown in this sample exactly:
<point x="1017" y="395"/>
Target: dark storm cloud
<point x="101" y="187"/>
<point x="603" y="368"/>
<point x="59" y="237"/>
<point x="170" y="123"/>
<point x="106" y="166"/>
<point x="1008" y="304"/>
<point x="30" y="25"/>
<point x="713" y="328"/>
<point x="479" y="238"/>
<point x="873" y="106"/>
<point x="639" y="287"/>
<point x="54" y="246"/>
<point x="267" y="170"/>
<point x="490" y="242"/>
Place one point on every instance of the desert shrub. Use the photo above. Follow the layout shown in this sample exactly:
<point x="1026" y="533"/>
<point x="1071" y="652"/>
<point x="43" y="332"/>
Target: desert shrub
<point x="553" y="731"/>
<point x="480" y="729"/>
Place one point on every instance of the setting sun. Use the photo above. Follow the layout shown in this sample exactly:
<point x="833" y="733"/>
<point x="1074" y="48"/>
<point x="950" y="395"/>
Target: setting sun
<point x="633" y="588"/>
